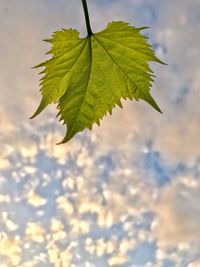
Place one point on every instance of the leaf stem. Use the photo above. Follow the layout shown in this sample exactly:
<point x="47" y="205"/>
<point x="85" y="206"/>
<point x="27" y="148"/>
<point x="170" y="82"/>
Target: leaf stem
<point x="87" y="18"/>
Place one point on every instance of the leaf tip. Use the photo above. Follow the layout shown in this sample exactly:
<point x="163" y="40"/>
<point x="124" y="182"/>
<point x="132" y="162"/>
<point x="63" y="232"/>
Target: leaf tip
<point x="47" y="40"/>
<point x="41" y="107"/>
<point x="65" y="140"/>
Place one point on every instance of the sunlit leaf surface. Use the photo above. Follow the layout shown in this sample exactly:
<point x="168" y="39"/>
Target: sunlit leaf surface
<point x="89" y="76"/>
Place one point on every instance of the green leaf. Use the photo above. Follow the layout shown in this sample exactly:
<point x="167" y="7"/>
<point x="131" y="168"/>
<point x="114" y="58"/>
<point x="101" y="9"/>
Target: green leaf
<point x="89" y="76"/>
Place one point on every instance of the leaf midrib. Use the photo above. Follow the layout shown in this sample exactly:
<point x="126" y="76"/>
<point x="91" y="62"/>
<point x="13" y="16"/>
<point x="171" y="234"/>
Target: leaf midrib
<point x="90" y="69"/>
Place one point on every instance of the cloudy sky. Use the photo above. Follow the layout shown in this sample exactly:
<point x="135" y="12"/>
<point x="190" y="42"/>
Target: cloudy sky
<point x="126" y="194"/>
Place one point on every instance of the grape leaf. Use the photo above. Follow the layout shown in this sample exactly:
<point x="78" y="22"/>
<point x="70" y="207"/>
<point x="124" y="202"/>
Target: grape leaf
<point x="89" y="76"/>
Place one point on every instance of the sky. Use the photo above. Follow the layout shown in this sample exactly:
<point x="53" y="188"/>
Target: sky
<point x="126" y="194"/>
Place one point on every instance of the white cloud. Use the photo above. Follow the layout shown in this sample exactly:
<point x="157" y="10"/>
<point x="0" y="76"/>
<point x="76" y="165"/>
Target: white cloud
<point x="4" y="164"/>
<point x="4" y="198"/>
<point x="117" y="260"/>
<point x="65" y="205"/>
<point x="10" y="249"/>
<point x="178" y="213"/>
<point x="178" y="140"/>
<point x="194" y="264"/>
<point x="35" y="200"/>
<point x="35" y="232"/>
<point x="10" y="225"/>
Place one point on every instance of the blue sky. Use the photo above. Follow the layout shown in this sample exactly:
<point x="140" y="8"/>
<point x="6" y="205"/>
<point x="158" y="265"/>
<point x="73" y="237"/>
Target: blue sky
<point x="126" y="194"/>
